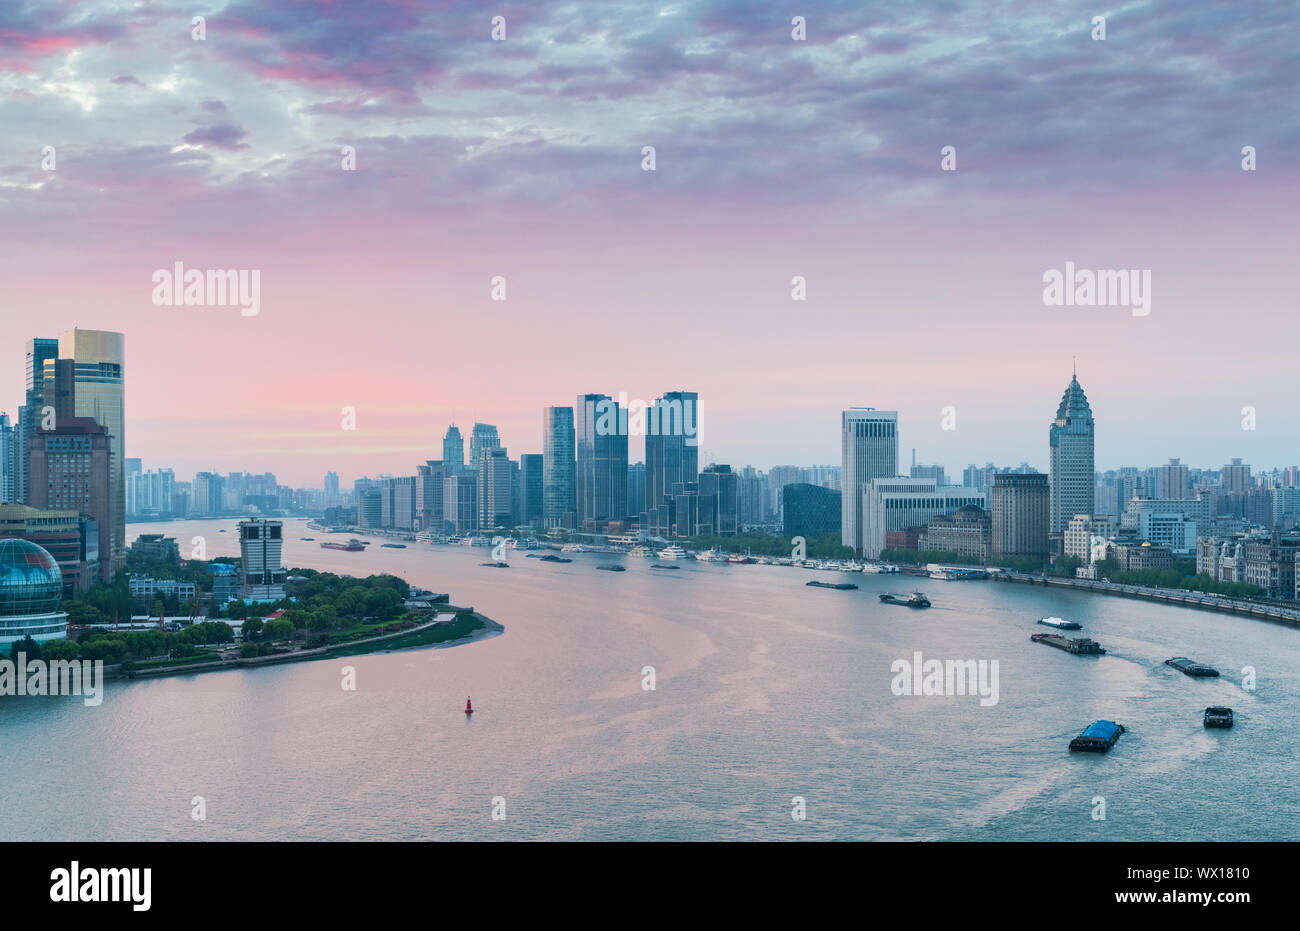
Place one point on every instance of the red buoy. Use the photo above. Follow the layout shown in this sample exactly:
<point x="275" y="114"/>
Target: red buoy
<point x="469" y="709"/>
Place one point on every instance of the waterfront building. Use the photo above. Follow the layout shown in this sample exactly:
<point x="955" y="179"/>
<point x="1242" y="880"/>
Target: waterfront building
<point x="811" y="511"/>
<point x="370" y="508"/>
<point x="869" y="440"/>
<point x="1070" y="447"/>
<point x="261" y="576"/>
<point x="601" y="460"/>
<point x="31" y="588"/>
<point x="156" y="546"/>
<point x="718" y="501"/>
<point x="460" y="503"/>
<point x="530" y="489"/>
<point x="1135" y="556"/>
<point x="32" y="412"/>
<point x="1270" y="564"/>
<point x="672" y="455"/>
<point x="968" y="533"/>
<point x="429" y="480"/>
<point x="1081" y="532"/>
<point x="559" y="489"/>
<point x="893" y="504"/>
<point x="1020" y="514"/>
<point x="495" y="490"/>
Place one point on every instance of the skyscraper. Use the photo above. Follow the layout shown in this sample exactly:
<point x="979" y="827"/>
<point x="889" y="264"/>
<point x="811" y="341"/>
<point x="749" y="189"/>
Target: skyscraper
<point x="559" y="493"/>
<point x="8" y="458"/>
<point x="261" y="576"/>
<point x="495" y="491"/>
<point x="483" y="437"/>
<point x="530" y="489"/>
<point x="331" y="489"/>
<point x="99" y="357"/>
<point x="601" y="472"/>
<point x="1070" y="440"/>
<point x="30" y="413"/>
<point x="1021" y="514"/>
<point x="453" y="450"/>
<point x="870" y="448"/>
<point x="429" y="480"/>
<point x="672" y="455"/>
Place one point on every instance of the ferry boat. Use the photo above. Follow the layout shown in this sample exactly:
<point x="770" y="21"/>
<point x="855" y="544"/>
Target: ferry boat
<point x="672" y="552"/>
<point x="1059" y="624"/>
<point x="1080" y="646"/>
<point x="710" y="555"/>
<point x="839" y="586"/>
<point x="873" y="568"/>
<point x="1217" y="716"/>
<point x="352" y="546"/>
<point x="1192" y="668"/>
<point x="638" y="551"/>
<point x="1098" y="737"/>
<point x="573" y="548"/>
<point x="914" y="600"/>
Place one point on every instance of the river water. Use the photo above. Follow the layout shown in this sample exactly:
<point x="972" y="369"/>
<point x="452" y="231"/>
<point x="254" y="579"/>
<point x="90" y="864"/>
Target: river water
<point x="765" y="690"/>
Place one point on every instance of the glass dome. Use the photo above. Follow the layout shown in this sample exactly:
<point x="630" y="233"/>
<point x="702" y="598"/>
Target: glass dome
<point x="30" y="580"/>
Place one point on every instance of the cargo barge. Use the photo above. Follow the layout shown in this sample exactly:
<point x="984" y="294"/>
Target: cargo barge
<point x="1098" y="737"/>
<point x="914" y="600"/>
<point x="1080" y="646"/>
<point x="1192" y="668"/>
<point x="352" y="546"/>
<point x="613" y="568"/>
<point x="839" y="586"/>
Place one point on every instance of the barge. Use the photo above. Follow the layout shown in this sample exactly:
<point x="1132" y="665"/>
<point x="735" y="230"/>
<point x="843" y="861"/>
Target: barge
<point x="1098" y="737"/>
<point x="613" y="568"/>
<point x="839" y="586"/>
<point x="551" y="557"/>
<point x="1080" y="646"/>
<point x="1192" y="668"/>
<point x="914" y="600"/>
<point x="352" y="546"/>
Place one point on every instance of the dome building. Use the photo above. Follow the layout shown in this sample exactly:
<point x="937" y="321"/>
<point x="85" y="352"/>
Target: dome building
<point x="31" y="586"/>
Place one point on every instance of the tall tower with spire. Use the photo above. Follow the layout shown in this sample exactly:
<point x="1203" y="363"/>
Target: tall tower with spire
<point x="1071" y="443"/>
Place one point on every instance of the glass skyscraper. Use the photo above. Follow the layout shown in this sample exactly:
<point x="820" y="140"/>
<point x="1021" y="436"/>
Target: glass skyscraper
<point x="672" y="454"/>
<point x="601" y="447"/>
<point x="559" y="493"/>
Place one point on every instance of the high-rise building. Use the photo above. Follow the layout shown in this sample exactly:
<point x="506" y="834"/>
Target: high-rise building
<point x="483" y="437"/>
<point x="1022" y="506"/>
<point x="811" y="511"/>
<point x="99" y="358"/>
<point x="397" y="503"/>
<point x="8" y="460"/>
<point x="719" y="500"/>
<point x="460" y="503"/>
<point x="495" y="489"/>
<point x="32" y="412"/>
<point x="261" y="577"/>
<point x="559" y="491"/>
<point x="870" y="449"/>
<point x="601" y="460"/>
<point x="1070" y="443"/>
<point x="428" y="494"/>
<point x="332" y="497"/>
<point x="150" y="495"/>
<point x="207" y="494"/>
<point x="70" y="467"/>
<point x="894" y="504"/>
<point x="636" y="488"/>
<point x="672" y="455"/>
<point x="530" y="489"/>
<point x="1235" y="477"/>
<point x="453" y="450"/>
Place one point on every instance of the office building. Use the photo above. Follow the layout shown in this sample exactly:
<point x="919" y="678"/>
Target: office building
<point x="495" y="490"/>
<point x="895" y="504"/>
<point x="811" y="511"/>
<point x="261" y="576"/>
<point x="1070" y="447"/>
<point x="718" y="490"/>
<point x="460" y="503"/>
<point x="1021" y="515"/>
<point x="530" y="489"/>
<point x="601" y="461"/>
<point x="671" y="444"/>
<point x="453" y="450"/>
<point x="870" y="449"/>
<point x="559" y="487"/>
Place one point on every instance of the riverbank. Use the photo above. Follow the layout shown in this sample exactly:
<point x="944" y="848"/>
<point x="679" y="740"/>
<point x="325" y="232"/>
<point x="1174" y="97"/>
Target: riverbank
<point x="1289" y="617"/>
<point x="448" y="628"/>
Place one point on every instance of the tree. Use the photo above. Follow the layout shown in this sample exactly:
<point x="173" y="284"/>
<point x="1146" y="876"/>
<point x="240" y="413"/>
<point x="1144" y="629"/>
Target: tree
<point x="252" y="628"/>
<point x="53" y="651"/>
<point x="26" y="646"/>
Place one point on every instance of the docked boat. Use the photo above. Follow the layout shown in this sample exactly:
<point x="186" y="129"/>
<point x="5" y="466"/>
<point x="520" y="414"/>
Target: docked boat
<point x="874" y="568"/>
<point x="638" y="551"/>
<point x="1059" y="624"/>
<point x="839" y="586"/>
<point x="1080" y="646"/>
<point x="1192" y="668"/>
<point x="1218" y="716"/>
<point x="551" y="557"/>
<point x="740" y="560"/>
<point x="613" y="568"/>
<point x="1098" y="737"/>
<point x="672" y="552"/>
<point x="352" y="546"/>
<point x="573" y="548"/>
<point x="710" y="555"/>
<point x="914" y="600"/>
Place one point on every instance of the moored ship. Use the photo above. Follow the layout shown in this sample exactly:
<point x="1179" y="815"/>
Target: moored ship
<point x="352" y="546"/>
<point x="672" y="552"/>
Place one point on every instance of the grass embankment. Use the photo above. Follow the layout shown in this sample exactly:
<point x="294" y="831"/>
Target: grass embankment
<point x="464" y="624"/>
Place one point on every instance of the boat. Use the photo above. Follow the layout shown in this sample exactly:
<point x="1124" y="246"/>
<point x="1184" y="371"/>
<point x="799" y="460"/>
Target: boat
<point x="1218" y="716"/>
<point x="951" y="574"/>
<point x="469" y="709"/>
<point x="1080" y="646"/>
<point x="739" y="560"/>
<point x="308" y="539"/>
<point x="573" y="548"/>
<point x="613" y="568"/>
<point x="914" y="600"/>
<point x="393" y="546"/>
<point x="839" y="586"/>
<point x="498" y="564"/>
<point x="638" y="551"/>
<point x="352" y="546"/>
<point x="1059" y="624"/>
<point x="1192" y="668"/>
<point x="710" y="555"/>
<point x="873" y="568"/>
<point x="658" y="566"/>
<point x="1098" y="737"/>
<point x="551" y="557"/>
<point x="672" y="552"/>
